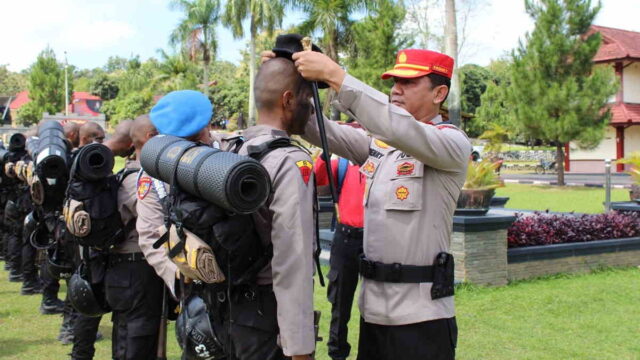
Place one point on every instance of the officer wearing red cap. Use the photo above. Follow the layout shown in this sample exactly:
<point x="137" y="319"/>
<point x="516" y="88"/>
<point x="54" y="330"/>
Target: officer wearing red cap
<point x="415" y="166"/>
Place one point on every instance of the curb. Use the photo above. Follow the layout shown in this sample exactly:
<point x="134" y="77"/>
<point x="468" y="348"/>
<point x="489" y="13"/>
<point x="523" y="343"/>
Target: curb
<point x="555" y="183"/>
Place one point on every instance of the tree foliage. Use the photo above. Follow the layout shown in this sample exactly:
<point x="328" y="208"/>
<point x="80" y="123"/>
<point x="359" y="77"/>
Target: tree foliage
<point x="556" y="92"/>
<point x="46" y="88"/>
<point x="11" y="83"/>
<point x="377" y="39"/>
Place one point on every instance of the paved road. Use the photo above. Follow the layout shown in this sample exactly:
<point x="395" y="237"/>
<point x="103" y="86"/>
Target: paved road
<point x="571" y="179"/>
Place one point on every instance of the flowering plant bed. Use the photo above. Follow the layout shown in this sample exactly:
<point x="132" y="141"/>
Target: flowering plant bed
<point x="543" y="228"/>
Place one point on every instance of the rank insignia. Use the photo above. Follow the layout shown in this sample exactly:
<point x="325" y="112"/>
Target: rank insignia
<point x="305" y="169"/>
<point x="402" y="193"/>
<point x="405" y="169"/>
<point x="381" y="144"/>
<point x="144" y="185"/>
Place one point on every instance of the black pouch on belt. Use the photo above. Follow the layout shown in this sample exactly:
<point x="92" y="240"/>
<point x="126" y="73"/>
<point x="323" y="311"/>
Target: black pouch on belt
<point x="443" y="276"/>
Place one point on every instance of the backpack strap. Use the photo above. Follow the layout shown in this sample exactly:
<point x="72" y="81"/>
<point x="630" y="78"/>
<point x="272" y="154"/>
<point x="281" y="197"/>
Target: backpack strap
<point x="258" y="152"/>
<point x="343" y="166"/>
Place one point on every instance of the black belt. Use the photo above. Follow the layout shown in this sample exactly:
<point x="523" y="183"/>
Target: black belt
<point x="395" y="273"/>
<point x="350" y="230"/>
<point x="129" y="257"/>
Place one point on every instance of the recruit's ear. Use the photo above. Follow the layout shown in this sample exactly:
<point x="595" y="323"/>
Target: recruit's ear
<point x="288" y="100"/>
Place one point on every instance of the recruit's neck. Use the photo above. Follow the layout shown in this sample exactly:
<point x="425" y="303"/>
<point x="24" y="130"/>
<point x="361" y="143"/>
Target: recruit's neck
<point x="271" y="119"/>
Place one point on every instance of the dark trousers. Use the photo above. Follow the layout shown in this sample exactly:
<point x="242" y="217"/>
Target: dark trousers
<point x="134" y="292"/>
<point x="50" y="286"/>
<point x="254" y="329"/>
<point x="84" y="337"/>
<point x="29" y="267"/>
<point x="429" y="340"/>
<point x="343" y="280"/>
<point x="14" y="250"/>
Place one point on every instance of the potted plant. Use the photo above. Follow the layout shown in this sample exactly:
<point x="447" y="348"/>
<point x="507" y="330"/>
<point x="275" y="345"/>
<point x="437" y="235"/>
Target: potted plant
<point x="495" y="137"/>
<point x="479" y="188"/>
<point x="634" y="171"/>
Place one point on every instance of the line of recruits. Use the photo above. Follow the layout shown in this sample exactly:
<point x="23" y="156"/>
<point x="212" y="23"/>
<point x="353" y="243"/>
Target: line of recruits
<point x="404" y="172"/>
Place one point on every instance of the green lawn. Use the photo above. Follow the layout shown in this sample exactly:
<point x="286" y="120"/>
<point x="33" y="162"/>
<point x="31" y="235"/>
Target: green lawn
<point x="562" y="199"/>
<point x="593" y="316"/>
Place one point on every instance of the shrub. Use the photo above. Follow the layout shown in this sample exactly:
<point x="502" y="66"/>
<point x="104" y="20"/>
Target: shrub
<point x="546" y="229"/>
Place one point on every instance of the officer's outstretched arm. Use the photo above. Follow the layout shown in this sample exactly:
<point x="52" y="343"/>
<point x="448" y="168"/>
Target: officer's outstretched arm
<point x="346" y="141"/>
<point x="441" y="147"/>
<point x="292" y="236"/>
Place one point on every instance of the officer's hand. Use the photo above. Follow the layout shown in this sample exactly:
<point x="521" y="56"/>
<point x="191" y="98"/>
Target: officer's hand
<point x="301" y="357"/>
<point x="315" y="66"/>
<point x="266" y="55"/>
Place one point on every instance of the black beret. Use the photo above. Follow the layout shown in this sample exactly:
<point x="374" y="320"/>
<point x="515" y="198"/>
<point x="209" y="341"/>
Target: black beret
<point x="289" y="44"/>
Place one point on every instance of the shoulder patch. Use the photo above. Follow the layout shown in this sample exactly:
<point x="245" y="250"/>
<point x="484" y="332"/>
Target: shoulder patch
<point x="144" y="186"/>
<point x="447" y="126"/>
<point x="306" y="167"/>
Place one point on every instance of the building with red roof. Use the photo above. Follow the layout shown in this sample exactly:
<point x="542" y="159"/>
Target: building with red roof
<point x="620" y="49"/>
<point x="82" y="103"/>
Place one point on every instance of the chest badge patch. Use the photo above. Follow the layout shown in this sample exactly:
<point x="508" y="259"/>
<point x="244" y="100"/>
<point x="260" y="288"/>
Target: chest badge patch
<point x="405" y="169"/>
<point x="144" y="185"/>
<point x="369" y="168"/>
<point x="305" y="170"/>
<point x="402" y="193"/>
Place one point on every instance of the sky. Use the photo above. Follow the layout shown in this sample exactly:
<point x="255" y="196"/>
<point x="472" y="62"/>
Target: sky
<point x="92" y="30"/>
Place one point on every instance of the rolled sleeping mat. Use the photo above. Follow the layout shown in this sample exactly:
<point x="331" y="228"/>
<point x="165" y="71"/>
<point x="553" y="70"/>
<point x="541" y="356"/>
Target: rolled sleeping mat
<point x="234" y="182"/>
<point x="93" y="162"/>
<point x="52" y="151"/>
<point x="32" y="146"/>
<point x="17" y="142"/>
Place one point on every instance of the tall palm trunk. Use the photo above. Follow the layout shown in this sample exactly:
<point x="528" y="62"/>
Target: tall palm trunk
<point x="206" y="59"/>
<point x="451" y="49"/>
<point x="252" y="73"/>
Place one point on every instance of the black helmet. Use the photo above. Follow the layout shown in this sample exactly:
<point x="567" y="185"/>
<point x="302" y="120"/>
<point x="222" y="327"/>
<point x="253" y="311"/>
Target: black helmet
<point x="41" y="239"/>
<point x="30" y="225"/>
<point x="58" y="265"/>
<point x="203" y="342"/>
<point x="85" y="298"/>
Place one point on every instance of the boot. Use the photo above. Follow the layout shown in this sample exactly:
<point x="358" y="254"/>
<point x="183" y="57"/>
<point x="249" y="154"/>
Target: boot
<point x="15" y="276"/>
<point x="31" y="287"/>
<point x="66" y="330"/>
<point x="51" y="307"/>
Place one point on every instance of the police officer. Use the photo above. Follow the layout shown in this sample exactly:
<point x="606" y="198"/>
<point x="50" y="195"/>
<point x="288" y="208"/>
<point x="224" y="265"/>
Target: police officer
<point x="14" y="214"/>
<point x="133" y="289"/>
<point x="346" y="248"/>
<point x="283" y="110"/>
<point x="415" y="167"/>
<point x="85" y="328"/>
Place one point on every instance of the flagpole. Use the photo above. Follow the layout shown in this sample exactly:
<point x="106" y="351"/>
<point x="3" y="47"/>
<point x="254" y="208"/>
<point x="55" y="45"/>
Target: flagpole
<point x="66" y="86"/>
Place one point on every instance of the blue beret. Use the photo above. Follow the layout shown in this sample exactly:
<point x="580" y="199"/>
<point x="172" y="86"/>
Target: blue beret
<point x="182" y="113"/>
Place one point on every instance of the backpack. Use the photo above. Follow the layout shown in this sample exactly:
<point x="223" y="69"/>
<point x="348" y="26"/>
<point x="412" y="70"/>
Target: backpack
<point x="91" y="201"/>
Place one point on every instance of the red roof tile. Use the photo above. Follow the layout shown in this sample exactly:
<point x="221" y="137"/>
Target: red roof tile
<point x="21" y="98"/>
<point x="616" y="44"/>
<point x="83" y="95"/>
<point x="624" y="113"/>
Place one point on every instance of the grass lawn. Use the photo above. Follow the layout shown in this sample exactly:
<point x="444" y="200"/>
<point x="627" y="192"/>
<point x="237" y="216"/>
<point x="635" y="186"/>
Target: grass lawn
<point x="562" y="199"/>
<point x="593" y="316"/>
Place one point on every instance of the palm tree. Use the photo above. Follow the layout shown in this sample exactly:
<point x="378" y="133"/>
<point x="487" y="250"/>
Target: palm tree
<point x="263" y="15"/>
<point x="175" y="72"/>
<point x="196" y="32"/>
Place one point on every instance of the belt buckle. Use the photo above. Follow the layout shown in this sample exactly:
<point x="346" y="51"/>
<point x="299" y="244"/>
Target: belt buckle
<point x="396" y="272"/>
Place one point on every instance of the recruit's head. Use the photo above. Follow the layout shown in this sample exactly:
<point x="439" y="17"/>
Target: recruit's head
<point x="120" y="142"/>
<point x="183" y="113"/>
<point x="91" y="132"/>
<point x="282" y="95"/>
<point x="72" y="133"/>
<point x="141" y="131"/>
<point x="422" y="79"/>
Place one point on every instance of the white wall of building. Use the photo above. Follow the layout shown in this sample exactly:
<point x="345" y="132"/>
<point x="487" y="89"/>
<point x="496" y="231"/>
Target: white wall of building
<point x="631" y="139"/>
<point x="605" y="150"/>
<point x="631" y="83"/>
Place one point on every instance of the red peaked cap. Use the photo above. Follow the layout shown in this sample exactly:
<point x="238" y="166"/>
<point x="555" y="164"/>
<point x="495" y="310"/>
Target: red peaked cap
<point x="413" y="63"/>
